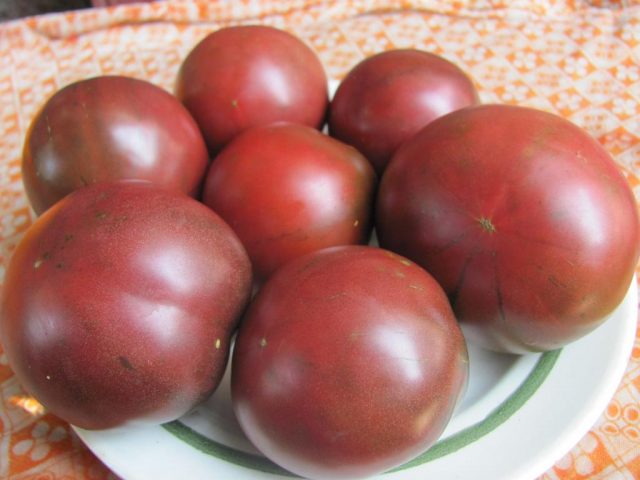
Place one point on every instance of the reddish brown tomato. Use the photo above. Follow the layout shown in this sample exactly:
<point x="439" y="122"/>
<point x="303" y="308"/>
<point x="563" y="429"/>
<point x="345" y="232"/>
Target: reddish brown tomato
<point x="288" y="190"/>
<point x="119" y="304"/>
<point x="244" y="76"/>
<point x="522" y="217"/>
<point x="388" y="97"/>
<point x="111" y="128"/>
<point x="348" y="363"/>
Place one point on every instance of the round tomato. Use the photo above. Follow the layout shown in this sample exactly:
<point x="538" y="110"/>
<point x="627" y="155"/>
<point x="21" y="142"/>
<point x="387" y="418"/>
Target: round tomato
<point x="388" y="97"/>
<point x="348" y="363"/>
<point x="111" y="128"/>
<point x="523" y="218"/>
<point x="287" y="190"/>
<point x="119" y="304"/>
<point x="244" y="76"/>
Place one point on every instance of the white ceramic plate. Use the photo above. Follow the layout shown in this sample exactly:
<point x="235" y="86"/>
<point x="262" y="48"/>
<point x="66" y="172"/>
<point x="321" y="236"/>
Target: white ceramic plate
<point x="519" y="415"/>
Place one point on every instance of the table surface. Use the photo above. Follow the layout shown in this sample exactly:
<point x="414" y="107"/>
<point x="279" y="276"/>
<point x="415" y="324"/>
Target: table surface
<point x="578" y="59"/>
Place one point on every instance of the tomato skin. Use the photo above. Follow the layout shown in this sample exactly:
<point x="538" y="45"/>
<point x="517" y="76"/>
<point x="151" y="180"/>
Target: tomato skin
<point x="287" y="190"/>
<point x="523" y="218"/>
<point x="244" y="76"/>
<point x="110" y="128"/>
<point x="119" y="304"/>
<point x="385" y="99"/>
<point x="348" y="363"/>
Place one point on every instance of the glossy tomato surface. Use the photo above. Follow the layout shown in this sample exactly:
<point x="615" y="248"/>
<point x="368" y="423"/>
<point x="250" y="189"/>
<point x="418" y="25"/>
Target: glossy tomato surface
<point x="348" y="363"/>
<point x="288" y="190"/>
<point x="244" y="76"/>
<point x="387" y="98"/>
<point x="119" y="304"/>
<point x="111" y="128"/>
<point x="523" y="218"/>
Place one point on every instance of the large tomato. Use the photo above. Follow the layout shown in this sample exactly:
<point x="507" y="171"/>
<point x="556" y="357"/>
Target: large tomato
<point x="348" y="363"/>
<point x="111" y="128"/>
<point x="119" y="304"/>
<point x="287" y="190"/>
<point x="523" y="218"/>
<point x="244" y="76"/>
<point x="388" y="97"/>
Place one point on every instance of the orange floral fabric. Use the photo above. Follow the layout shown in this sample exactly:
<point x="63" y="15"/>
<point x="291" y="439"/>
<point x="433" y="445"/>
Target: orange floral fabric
<point x="577" y="58"/>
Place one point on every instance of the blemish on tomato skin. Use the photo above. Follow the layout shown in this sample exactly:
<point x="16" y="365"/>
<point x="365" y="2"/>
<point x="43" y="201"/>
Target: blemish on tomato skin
<point x="487" y="225"/>
<point x="356" y="335"/>
<point x="404" y="261"/>
<point x="49" y="130"/>
<point x="339" y="294"/>
<point x="399" y="274"/>
<point x="338" y="435"/>
<point x="38" y="263"/>
<point x="556" y="282"/>
<point x="580" y="156"/>
<point x="263" y="342"/>
<point x="124" y="361"/>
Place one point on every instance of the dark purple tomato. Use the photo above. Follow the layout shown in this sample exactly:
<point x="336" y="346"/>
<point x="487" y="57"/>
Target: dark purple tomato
<point x="243" y="76"/>
<point x="349" y="362"/>
<point x="388" y="97"/>
<point x="288" y="190"/>
<point x="119" y="304"/>
<point x="522" y="217"/>
<point x="111" y="128"/>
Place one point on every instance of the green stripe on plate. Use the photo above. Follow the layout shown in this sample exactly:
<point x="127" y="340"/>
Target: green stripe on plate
<point x="451" y="444"/>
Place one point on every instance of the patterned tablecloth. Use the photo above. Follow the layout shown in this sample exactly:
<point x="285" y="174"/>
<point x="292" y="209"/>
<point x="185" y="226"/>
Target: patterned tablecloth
<point x="580" y="59"/>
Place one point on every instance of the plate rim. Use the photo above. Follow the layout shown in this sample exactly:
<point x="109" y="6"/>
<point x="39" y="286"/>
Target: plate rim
<point x="444" y="446"/>
<point x="537" y="465"/>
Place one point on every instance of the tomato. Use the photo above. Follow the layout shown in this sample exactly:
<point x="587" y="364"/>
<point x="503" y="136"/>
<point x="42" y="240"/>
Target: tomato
<point x="287" y="190"/>
<point x="119" y="304"/>
<point x="244" y="76"/>
<point x="111" y="128"/>
<point x="387" y="98"/>
<point x="523" y="218"/>
<point x="348" y="363"/>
